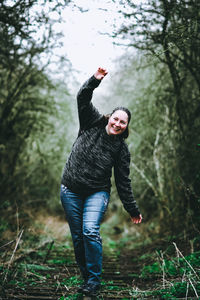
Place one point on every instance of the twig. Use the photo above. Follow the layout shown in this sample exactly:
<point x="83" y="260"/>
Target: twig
<point x="193" y="288"/>
<point x="192" y="246"/>
<point x="13" y="254"/>
<point x="67" y="270"/>
<point x="145" y="178"/>
<point x="163" y="269"/>
<point x="30" y="251"/>
<point x="66" y="287"/>
<point x="178" y="251"/>
<point x="11" y="242"/>
<point x="17" y="217"/>
<point x="48" y="252"/>
<point x="37" y="275"/>
<point x="187" y="291"/>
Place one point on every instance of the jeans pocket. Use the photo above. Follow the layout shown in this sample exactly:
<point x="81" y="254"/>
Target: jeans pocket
<point x="64" y="188"/>
<point x="106" y="201"/>
<point x="63" y="193"/>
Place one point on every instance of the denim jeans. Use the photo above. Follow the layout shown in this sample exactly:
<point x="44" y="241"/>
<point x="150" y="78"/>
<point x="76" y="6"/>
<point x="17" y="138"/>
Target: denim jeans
<point x="84" y="215"/>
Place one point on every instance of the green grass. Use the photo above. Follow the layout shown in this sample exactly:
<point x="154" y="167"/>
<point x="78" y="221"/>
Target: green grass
<point x="59" y="261"/>
<point x="178" y="277"/>
<point x="71" y="297"/>
<point x="174" y="267"/>
<point x="72" y="281"/>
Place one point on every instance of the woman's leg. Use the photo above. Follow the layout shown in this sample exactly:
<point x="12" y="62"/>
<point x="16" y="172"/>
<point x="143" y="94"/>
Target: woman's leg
<point x="73" y="207"/>
<point x="94" y="208"/>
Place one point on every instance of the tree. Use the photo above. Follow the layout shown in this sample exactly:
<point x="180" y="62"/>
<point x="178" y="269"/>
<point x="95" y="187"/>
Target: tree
<point x="26" y="37"/>
<point x="167" y="32"/>
<point x="170" y="31"/>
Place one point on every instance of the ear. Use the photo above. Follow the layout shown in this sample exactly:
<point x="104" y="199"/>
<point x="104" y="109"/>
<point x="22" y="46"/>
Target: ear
<point x="107" y="116"/>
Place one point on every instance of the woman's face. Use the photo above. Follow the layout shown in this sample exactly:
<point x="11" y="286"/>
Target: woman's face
<point x="117" y="123"/>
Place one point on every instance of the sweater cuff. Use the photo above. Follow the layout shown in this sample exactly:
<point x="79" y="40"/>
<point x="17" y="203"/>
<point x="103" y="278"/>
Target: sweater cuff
<point x="135" y="213"/>
<point x="94" y="81"/>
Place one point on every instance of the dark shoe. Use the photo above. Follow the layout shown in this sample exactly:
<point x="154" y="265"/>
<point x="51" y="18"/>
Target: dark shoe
<point x="81" y="287"/>
<point x="91" y="289"/>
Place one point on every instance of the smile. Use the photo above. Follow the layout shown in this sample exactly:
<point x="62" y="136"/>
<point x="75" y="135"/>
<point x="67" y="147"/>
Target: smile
<point x="117" y="129"/>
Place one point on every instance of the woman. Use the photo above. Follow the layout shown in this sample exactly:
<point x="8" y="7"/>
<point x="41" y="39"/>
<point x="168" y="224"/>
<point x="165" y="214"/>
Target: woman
<point x="85" y="188"/>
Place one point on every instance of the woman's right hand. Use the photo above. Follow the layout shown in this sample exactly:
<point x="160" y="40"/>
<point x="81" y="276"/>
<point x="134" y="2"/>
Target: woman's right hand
<point x="137" y="220"/>
<point x="100" y="73"/>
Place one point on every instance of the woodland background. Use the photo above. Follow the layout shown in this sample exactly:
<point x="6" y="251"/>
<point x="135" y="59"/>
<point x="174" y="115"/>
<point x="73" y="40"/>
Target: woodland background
<point x="157" y="78"/>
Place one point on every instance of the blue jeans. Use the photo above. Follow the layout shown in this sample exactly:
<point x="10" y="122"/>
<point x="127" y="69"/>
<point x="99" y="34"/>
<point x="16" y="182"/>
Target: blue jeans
<point x="84" y="215"/>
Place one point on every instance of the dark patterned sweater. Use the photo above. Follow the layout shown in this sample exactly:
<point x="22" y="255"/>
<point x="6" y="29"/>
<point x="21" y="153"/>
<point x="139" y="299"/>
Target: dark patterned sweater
<point x="94" y="154"/>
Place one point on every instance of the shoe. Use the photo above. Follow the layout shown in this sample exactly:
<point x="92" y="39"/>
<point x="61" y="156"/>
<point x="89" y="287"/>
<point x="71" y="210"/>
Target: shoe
<point x="91" y="289"/>
<point x="81" y="287"/>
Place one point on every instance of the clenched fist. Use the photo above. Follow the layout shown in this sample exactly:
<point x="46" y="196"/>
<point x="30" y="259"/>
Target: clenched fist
<point x="100" y="73"/>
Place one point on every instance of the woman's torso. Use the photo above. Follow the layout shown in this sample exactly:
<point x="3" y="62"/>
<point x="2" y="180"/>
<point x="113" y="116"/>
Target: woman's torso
<point x="89" y="166"/>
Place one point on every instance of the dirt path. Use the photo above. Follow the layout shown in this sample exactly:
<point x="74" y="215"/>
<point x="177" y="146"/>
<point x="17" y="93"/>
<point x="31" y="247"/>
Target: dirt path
<point x="51" y="273"/>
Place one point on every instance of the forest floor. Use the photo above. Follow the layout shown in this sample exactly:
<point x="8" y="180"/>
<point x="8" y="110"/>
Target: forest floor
<point x="47" y="270"/>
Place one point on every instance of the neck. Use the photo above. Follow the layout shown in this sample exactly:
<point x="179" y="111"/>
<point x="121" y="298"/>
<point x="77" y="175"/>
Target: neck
<point x="107" y="129"/>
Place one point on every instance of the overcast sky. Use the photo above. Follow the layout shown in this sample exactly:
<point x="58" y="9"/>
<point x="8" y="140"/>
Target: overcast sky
<point x="84" y="42"/>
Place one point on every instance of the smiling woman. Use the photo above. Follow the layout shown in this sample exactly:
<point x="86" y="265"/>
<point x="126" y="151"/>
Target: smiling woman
<point x="86" y="180"/>
<point x="118" y="122"/>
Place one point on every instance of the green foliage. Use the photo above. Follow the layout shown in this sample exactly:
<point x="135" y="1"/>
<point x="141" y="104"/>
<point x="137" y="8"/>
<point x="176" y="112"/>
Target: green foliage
<point x="153" y="269"/>
<point x="60" y="261"/>
<point x="71" y="281"/>
<point x="173" y="267"/>
<point x="144" y="256"/>
<point x="185" y="268"/>
<point x="178" y="290"/>
<point x="32" y="108"/>
<point x="162" y="90"/>
<point x="3" y="226"/>
<point x="70" y="297"/>
<point x="34" y="267"/>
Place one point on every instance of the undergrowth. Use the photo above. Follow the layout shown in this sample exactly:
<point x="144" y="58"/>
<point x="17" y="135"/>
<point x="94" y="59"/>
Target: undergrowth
<point x="159" y="272"/>
<point x="172" y="278"/>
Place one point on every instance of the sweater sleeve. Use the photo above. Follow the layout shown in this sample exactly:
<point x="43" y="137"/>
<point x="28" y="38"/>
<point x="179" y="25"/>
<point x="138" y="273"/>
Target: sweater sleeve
<point x="87" y="113"/>
<point x="123" y="182"/>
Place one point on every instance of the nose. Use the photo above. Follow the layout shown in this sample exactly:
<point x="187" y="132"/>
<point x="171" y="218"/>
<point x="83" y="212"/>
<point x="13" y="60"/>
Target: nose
<point x="117" y="123"/>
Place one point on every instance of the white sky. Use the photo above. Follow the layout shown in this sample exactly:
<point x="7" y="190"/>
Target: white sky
<point x="85" y="47"/>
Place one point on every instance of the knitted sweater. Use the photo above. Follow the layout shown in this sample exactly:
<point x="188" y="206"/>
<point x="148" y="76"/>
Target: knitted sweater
<point x="94" y="154"/>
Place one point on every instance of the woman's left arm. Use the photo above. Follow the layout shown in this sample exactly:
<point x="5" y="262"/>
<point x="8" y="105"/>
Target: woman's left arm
<point x="123" y="184"/>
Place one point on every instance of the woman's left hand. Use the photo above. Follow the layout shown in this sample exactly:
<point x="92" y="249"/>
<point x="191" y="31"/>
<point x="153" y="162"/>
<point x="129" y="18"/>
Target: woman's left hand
<point x="137" y="220"/>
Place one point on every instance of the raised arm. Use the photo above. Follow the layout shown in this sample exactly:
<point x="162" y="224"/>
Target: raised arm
<point x="88" y="114"/>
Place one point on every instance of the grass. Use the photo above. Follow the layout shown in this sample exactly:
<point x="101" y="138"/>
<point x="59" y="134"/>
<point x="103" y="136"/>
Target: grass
<point x="60" y="261"/>
<point x="158" y="274"/>
<point x="175" y="278"/>
<point x="71" y="281"/>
